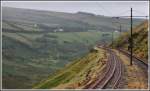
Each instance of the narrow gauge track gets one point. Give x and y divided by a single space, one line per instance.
137 59
112 74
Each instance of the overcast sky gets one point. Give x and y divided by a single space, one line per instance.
109 8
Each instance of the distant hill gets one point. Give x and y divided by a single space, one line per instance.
50 20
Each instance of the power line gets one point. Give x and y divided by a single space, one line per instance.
140 12
131 32
110 13
123 12
105 10
128 16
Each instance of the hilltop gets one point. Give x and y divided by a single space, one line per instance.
38 20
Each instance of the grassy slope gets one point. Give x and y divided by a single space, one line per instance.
75 75
29 58
140 39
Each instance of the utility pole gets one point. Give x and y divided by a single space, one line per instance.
112 39
120 37
131 33
120 29
131 41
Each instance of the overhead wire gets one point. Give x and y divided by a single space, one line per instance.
104 9
121 13
140 12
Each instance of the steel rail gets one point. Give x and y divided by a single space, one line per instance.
113 72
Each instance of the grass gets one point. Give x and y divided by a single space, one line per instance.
75 72
42 54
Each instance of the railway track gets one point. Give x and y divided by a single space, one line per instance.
137 61
134 57
112 74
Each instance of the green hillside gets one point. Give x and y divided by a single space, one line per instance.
28 58
77 74
140 41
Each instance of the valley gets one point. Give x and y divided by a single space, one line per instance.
59 50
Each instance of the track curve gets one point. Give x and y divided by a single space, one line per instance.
112 74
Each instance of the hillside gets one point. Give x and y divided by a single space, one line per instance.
78 74
38 20
28 58
140 41
38 43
